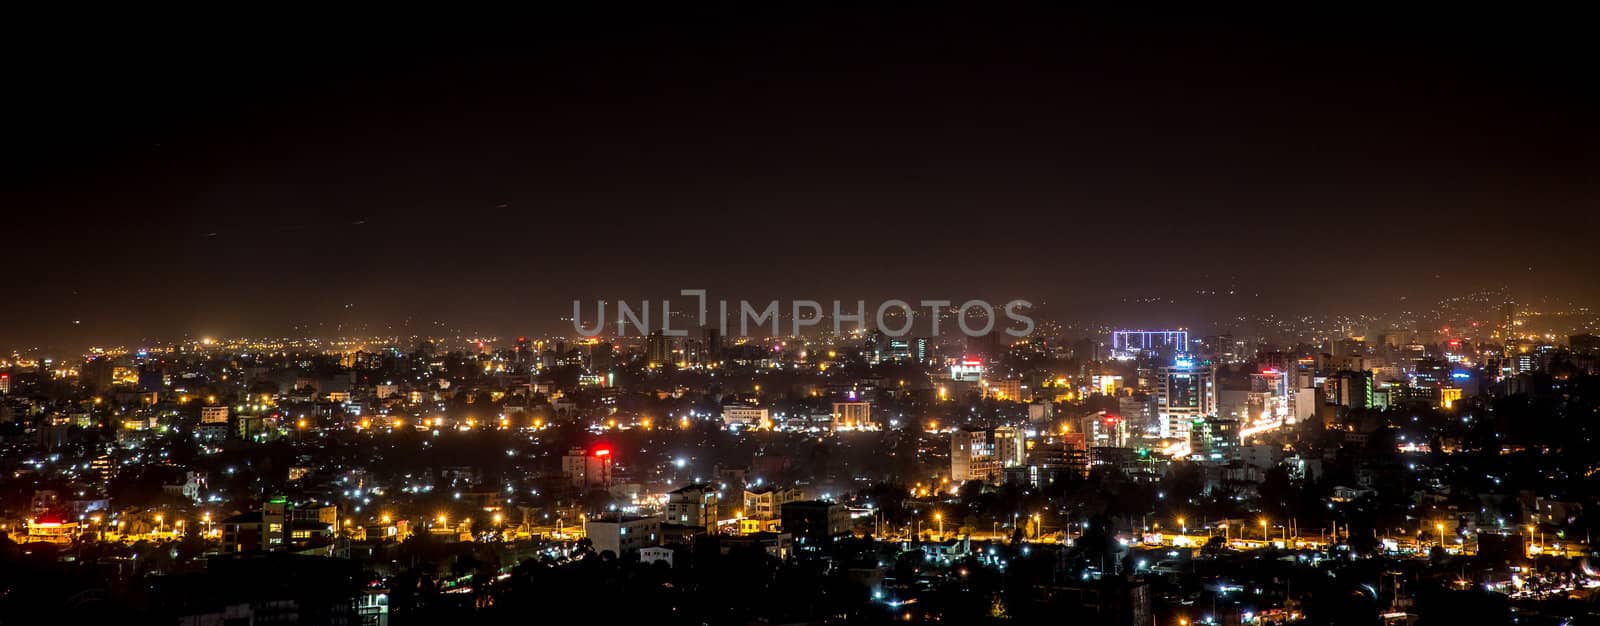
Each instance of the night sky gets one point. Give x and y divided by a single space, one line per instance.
287 179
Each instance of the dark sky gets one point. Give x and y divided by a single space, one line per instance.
169 179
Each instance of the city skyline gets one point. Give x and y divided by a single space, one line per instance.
801 314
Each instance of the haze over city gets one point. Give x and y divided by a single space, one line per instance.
801 314
1177 168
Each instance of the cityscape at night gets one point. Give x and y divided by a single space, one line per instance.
718 317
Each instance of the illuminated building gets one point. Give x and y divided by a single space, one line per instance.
967 370
256 531
586 469
5 383
972 456
385 391
881 348
1041 412
765 503
623 533
745 416
658 349
1448 396
1101 430
692 505
1185 391
214 414
1010 446
656 554
853 416
1006 390
52 529
1106 384
1057 457
1213 439
1132 344
1350 389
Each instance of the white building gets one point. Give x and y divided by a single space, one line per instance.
655 553
1185 391
745 416
693 505
624 533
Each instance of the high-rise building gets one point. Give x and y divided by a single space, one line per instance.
692 505
658 349
712 337
522 351
1041 412
1102 430
972 456
1213 439
1139 413
1185 391
1010 446
1053 458
1350 389
587 469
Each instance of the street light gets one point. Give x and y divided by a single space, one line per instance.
939 517
1183 526
1264 530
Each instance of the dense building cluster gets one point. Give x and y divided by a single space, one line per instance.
1354 475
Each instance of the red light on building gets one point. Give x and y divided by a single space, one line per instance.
602 452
